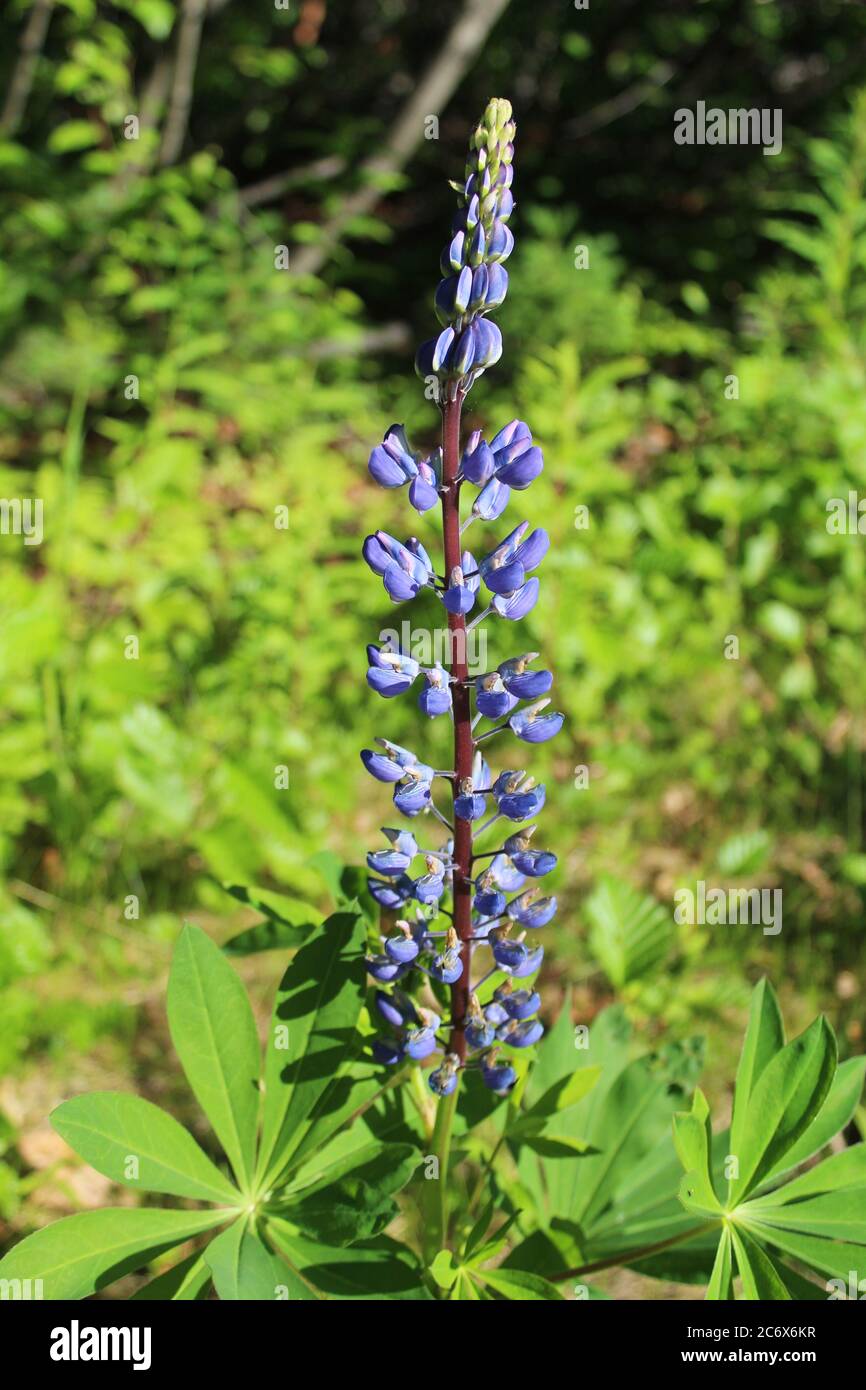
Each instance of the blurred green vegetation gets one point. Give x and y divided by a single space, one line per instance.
168 392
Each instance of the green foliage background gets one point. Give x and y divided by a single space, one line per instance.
260 389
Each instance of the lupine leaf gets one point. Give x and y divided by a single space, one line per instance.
841 1215
519 1285
693 1142
82 1253
720 1287
829 1256
836 1112
359 1206
564 1093
183 1283
846 1169
107 1128
555 1146
765 1036
761 1279
444 1270
214 1035
288 923
783 1102
374 1269
245 1270
315 1012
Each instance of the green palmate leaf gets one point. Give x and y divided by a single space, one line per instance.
761 1279
133 1142
83 1253
836 1112
765 1036
519 1285
312 1032
288 923
562 1095
555 1146
840 1215
829 1256
244 1269
214 1034
382 1169
846 1169
373 1269
631 933
785 1099
360 1205
693 1140
183 1283
720 1288
444 1270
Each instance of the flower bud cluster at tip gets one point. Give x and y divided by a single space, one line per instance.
475 281
413 881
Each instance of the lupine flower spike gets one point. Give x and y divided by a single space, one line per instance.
458 913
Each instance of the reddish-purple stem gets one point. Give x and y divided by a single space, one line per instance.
463 744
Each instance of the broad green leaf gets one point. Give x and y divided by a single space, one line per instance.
783 1102
80 1254
765 1036
840 1215
720 1287
110 1129
311 1033
555 1146
382 1168
214 1035
244 1269
444 1270
375 1269
761 1279
288 923
845 1169
833 1257
631 933
359 1206
836 1112
693 1140
519 1285
183 1283
564 1093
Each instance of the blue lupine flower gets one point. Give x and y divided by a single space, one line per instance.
447 967
390 673
518 1003
391 894
535 863
430 887
387 1052
499 1076
477 463
517 797
384 969
522 1034
393 862
530 912
443 1080
459 597
516 606
488 900
435 698
526 685
469 804
491 500
505 874
480 1031
402 946
491 697
392 462
532 726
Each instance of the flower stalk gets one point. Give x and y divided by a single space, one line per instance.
433 947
